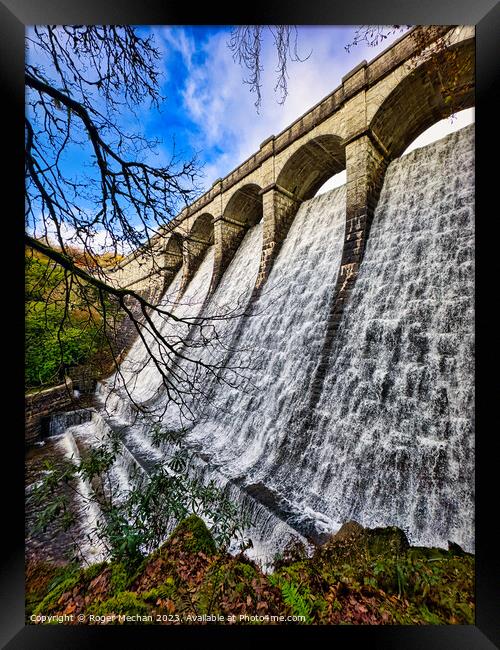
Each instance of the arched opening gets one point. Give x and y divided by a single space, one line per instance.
314 163
442 128
173 252
196 243
430 93
202 230
172 261
244 210
245 206
337 180
195 246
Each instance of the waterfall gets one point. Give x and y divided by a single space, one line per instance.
390 440
138 371
90 548
213 343
243 427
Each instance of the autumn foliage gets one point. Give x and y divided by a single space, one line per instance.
360 576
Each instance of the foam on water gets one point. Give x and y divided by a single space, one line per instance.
390 440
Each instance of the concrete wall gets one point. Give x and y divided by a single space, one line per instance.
41 404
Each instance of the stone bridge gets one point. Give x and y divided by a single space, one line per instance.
377 111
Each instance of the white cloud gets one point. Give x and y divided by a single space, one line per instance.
178 40
100 241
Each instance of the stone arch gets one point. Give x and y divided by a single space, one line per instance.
312 165
202 229
427 95
172 255
195 244
245 206
243 210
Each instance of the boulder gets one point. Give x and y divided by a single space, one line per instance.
352 539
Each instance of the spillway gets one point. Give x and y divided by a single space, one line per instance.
390 438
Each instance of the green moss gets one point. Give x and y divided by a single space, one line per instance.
93 571
65 581
296 571
388 541
126 603
231 580
241 575
195 536
162 592
355 545
39 577
121 578
209 591
422 552
245 571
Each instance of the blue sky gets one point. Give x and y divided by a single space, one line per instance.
209 110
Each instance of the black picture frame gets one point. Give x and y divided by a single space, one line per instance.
14 16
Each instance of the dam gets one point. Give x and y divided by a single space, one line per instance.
345 389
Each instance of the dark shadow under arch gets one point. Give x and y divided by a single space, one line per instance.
432 92
245 206
202 230
312 165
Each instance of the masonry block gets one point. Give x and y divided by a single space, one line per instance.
279 210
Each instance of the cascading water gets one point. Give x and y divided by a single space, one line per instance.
269 533
223 314
91 548
390 439
242 428
138 371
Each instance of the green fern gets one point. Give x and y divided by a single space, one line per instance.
298 603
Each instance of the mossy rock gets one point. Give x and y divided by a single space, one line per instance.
222 576
164 591
121 578
428 553
193 536
387 541
39 577
63 583
232 582
93 571
353 542
455 549
125 603
297 571
347 532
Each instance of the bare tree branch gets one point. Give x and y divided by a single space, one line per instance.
83 79
245 44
